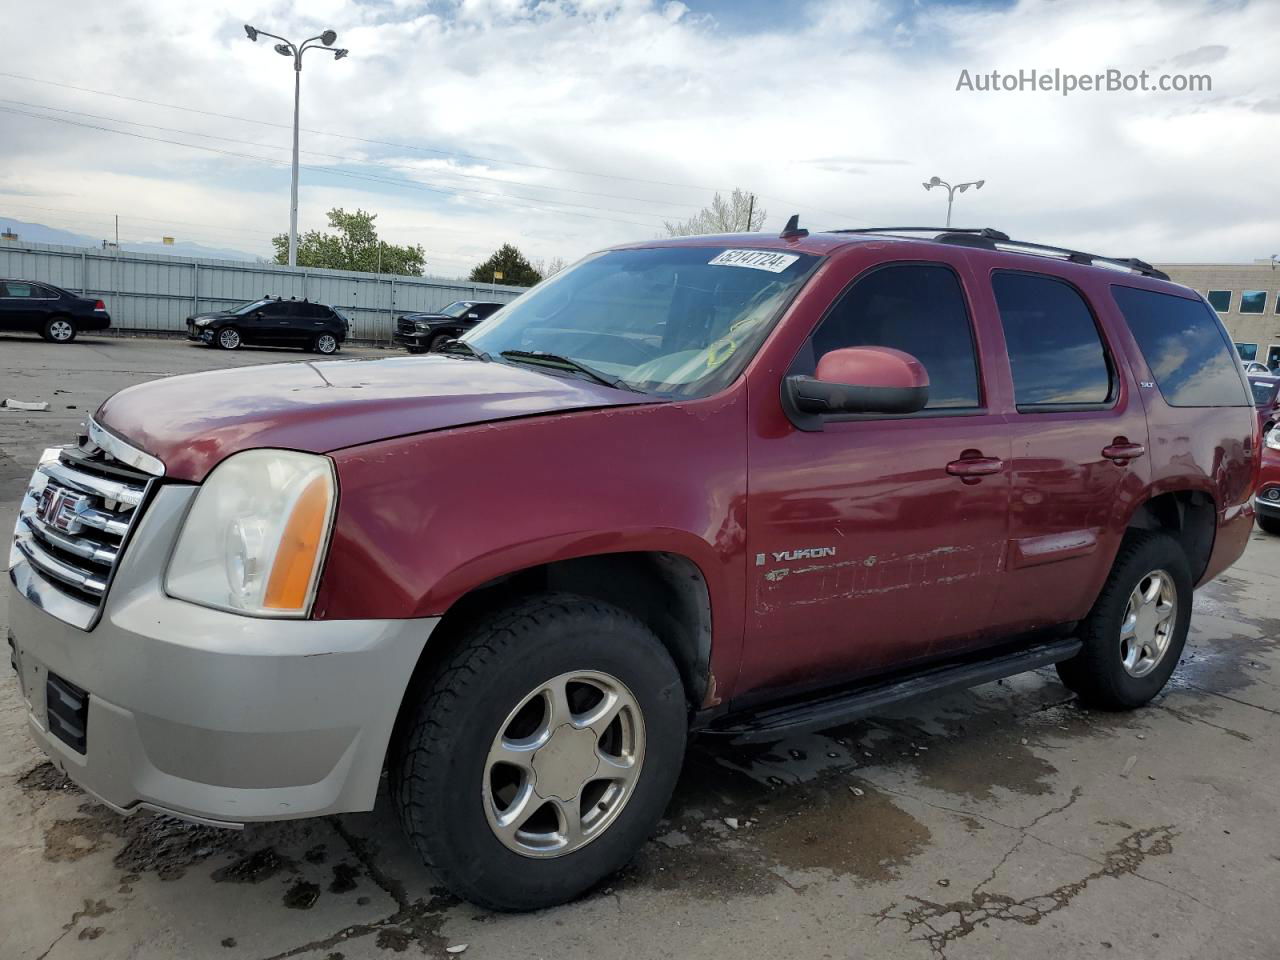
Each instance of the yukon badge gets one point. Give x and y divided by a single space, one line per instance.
806 553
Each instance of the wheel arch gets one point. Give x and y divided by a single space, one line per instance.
1189 516
668 592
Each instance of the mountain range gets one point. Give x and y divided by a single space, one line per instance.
39 233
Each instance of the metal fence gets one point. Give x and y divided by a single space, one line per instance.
152 293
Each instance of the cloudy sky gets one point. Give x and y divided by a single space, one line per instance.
568 125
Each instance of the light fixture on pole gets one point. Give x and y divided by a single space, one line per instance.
951 191
295 50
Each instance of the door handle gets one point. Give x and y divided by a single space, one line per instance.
1122 452
971 469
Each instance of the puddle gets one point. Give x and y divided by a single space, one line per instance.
256 867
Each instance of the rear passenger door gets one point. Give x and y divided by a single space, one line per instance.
1079 436
878 540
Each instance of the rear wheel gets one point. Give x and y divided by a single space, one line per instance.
228 338
542 754
1136 630
59 330
325 343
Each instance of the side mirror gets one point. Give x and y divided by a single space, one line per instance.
856 380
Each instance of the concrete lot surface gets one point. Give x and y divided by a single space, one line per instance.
1005 821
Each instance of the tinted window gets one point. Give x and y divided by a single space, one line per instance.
1262 391
275 310
915 308
1220 300
1185 346
1247 351
1054 348
1253 301
15 289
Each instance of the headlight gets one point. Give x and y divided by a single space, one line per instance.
204 321
422 327
256 535
1273 438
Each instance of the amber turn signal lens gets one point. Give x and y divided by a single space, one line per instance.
299 550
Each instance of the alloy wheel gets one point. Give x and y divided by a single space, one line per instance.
61 331
326 343
1147 627
563 764
229 339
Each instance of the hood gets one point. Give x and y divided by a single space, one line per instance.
213 315
191 422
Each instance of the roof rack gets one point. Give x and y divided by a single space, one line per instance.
989 239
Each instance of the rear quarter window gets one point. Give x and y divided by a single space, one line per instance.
1186 348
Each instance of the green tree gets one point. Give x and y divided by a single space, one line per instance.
516 270
741 213
354 246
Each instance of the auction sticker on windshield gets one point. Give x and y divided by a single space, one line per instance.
755 259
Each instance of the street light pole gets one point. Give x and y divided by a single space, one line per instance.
288 49
951 191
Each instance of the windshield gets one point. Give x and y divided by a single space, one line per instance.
674 320
1262 391
246 308
456 309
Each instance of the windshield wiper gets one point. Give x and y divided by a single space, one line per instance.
464 349
568 363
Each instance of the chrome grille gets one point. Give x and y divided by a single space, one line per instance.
405 326
73 522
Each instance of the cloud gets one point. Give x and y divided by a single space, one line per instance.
1200 56
837 109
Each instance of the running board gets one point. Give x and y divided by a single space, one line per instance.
773 723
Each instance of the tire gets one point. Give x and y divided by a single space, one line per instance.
1152 562
438 341
59 329
1269 524
448 789
228 338
325 343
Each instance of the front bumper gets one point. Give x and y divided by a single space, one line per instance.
412 339
200 334
208 714
1267 502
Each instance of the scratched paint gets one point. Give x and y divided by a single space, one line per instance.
877 575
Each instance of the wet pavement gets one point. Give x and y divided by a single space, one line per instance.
1004 821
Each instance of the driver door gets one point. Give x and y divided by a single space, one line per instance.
879 540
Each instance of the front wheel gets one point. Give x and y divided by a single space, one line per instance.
59 330
1137 628
325 343
543 754
228 338
439 340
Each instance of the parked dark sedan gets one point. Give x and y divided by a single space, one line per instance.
1266 397
420 332
272 322
56 314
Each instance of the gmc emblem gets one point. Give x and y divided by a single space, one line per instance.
59 508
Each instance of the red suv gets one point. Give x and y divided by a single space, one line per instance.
738 485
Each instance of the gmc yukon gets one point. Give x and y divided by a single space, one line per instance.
734 485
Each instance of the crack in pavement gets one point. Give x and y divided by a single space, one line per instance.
413 921
1189 718
91 908
945 923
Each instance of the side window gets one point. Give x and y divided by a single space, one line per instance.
15 289
917 308
1185 347
276 310
1054 347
